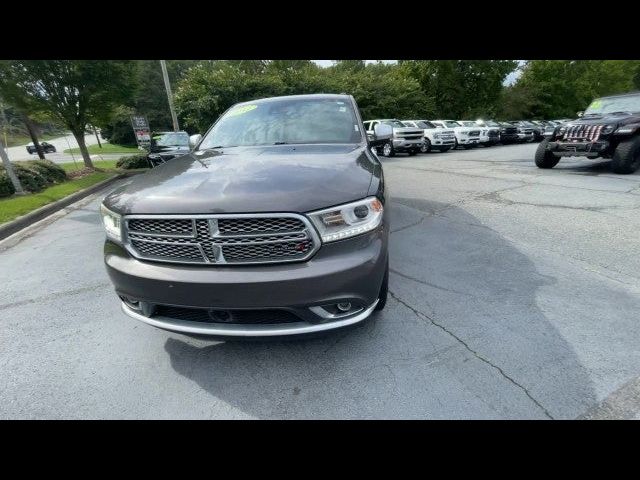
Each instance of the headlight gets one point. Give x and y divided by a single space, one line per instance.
112 223
562 130
348 220
607 129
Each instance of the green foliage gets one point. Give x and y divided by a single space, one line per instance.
460 89
33 175
559 88
6 187
133 162
208 89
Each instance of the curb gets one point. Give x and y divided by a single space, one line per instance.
30 218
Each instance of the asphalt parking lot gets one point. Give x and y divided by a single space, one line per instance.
515 294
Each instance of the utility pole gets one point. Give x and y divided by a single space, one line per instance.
167 85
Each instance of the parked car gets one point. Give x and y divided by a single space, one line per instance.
405 139
609 128
46 148
488 136
525 132
508 133
466 137
494 130
276 223
434 138
166 146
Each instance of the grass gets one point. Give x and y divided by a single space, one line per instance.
107 148
109 165
16 206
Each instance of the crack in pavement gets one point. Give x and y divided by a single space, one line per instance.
426 317
433 285
44 298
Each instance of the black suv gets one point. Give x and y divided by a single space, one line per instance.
167 145
46 148
609 128
508 133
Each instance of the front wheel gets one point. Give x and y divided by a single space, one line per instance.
426 146
445 149
387 150
544 158
384 289
626 158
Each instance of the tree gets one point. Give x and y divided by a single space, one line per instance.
77 92
559 88
461 88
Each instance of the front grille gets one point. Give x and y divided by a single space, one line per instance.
412 136
222 239
474 133
583 133
264 316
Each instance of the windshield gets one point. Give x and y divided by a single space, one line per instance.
171 139
394 123
425 124
285 121
469 124
628 103
451 124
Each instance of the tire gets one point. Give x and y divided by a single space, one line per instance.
384 290
467 147
455 145
626 158
445 149
426 146
387 150
544 158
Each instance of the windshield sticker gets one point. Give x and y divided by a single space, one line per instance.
241 110
596 104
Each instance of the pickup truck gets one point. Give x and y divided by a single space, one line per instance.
404 139
434 137
466 137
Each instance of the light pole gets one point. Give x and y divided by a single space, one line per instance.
167 85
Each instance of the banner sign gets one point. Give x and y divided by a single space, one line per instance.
141 131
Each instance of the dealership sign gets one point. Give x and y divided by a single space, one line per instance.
141 130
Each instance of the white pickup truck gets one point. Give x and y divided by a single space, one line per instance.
405 139
466 137
434 138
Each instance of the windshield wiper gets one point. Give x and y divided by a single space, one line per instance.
280 143
622 112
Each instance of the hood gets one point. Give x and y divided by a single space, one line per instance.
281 178
173 149
621 119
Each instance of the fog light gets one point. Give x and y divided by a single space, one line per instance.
344 307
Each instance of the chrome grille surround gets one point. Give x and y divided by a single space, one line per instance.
223 239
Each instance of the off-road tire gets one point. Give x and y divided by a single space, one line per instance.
626 158
544 158
384 289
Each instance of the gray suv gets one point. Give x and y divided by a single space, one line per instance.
276 223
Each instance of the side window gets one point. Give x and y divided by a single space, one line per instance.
367 126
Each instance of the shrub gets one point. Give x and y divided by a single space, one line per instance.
52 172
6 187
34 176
133 161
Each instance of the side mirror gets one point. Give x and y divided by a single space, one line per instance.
381 133
580 114
194 140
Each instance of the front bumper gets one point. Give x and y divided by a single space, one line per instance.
468 140
578 149
402 145
350 270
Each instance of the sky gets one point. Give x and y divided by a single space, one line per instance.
511 78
